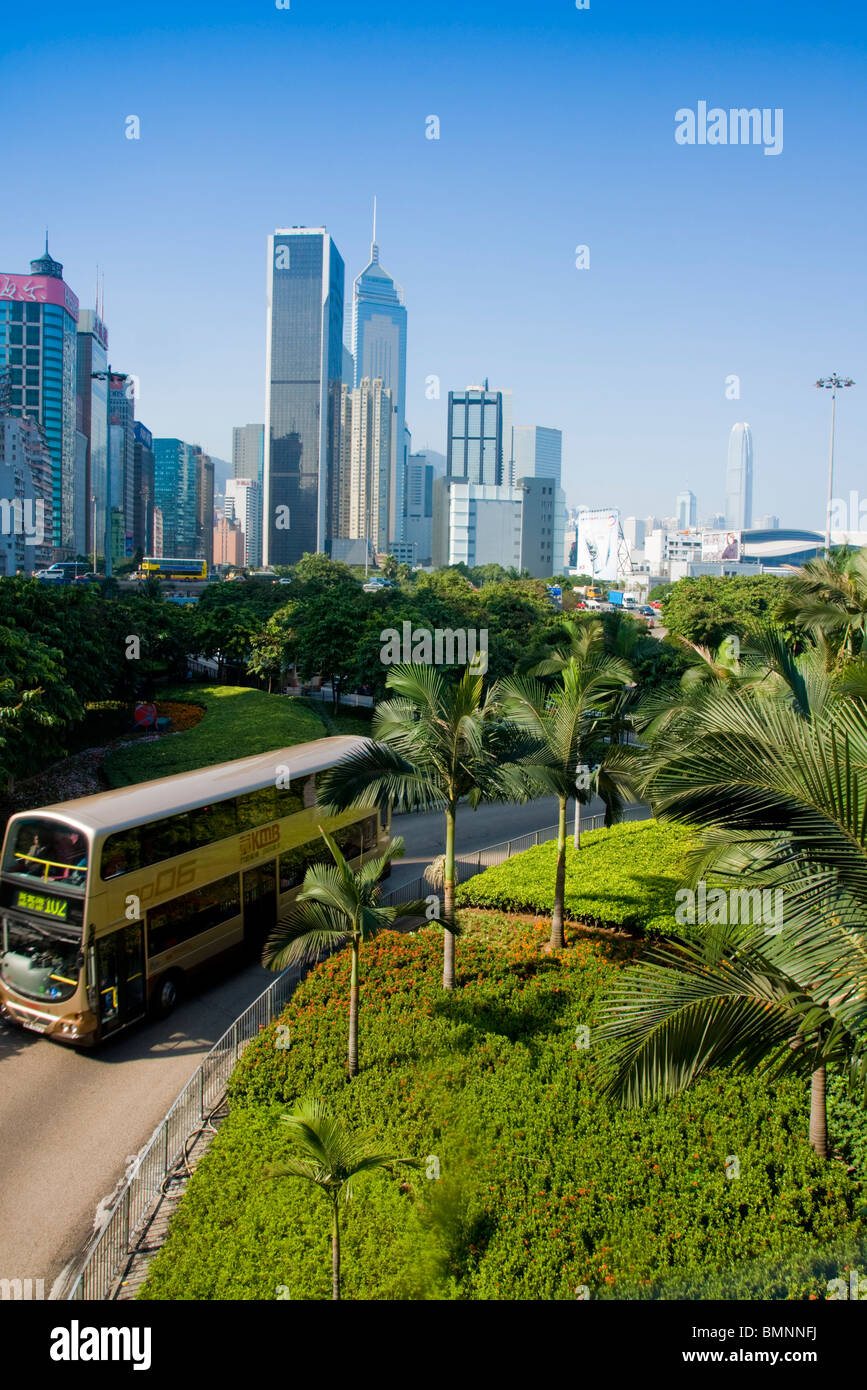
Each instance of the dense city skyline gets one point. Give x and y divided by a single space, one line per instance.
704 264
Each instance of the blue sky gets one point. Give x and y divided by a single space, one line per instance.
556 130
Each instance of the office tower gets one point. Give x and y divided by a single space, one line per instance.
304 365
739 479
38 316
477 523
379 352
768 522
143 477
543 527
26 477
634 532
158 536
204 506
538 452
686 509
92 343
366 463
475 436
244 505
176 494
510 467
229 544
348 373
421 471
248 452
121 417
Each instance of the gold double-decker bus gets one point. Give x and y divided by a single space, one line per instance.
108 902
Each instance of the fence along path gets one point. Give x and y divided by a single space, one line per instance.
111 1247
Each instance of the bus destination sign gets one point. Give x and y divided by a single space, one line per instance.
39 902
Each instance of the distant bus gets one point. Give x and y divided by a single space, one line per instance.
108 902
163 567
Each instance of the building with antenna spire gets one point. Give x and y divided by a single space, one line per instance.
38 322
379 353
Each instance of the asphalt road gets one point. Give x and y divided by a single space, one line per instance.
72 1121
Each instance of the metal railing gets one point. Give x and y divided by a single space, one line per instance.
111 1246
109 1249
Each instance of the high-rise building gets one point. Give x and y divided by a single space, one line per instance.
739 479
476 523
633 532
244 505
38 317
421 471
304 367
204 506
248 452
769 522
475 436
92 339
121 457
143 476
176 494
366 463
379 351
538 452
228 543
543 527
686 509
25 495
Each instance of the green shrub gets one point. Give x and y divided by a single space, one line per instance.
623 877
544 1187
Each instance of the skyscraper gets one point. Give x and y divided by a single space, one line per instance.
38 317
475 436
379 350
121 459
366 461
93 395
248 452
304 365
244 505
176 495
143 475
739 479
686 510
538 452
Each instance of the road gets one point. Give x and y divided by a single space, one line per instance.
71 1121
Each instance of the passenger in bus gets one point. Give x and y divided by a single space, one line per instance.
71 852
30 863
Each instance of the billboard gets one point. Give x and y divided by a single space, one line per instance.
721 545
39 289
598 537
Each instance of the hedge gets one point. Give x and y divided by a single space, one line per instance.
623 877
544 1189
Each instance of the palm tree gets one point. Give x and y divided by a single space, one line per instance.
828 599
773 781
572 724
337 905
436 743
331 1158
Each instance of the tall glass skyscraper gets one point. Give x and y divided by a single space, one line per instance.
739 479
475 435
379 351
303 377
177 496
38 317
93 395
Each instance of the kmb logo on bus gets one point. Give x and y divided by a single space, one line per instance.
256 840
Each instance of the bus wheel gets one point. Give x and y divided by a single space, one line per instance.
166 994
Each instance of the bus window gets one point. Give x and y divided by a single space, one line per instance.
193 913
49 851
121 854
37 962
163 839
257 808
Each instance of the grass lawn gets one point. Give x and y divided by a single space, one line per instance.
540 1187
238 723
623 877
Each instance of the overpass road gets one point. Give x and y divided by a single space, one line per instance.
71 1121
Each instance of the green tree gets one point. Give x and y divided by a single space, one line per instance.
707 609
334 906
330 1157
828 600
437 742
572 723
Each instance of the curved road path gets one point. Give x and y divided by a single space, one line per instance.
71 1121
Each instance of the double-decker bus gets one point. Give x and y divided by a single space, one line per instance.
162 567
108 902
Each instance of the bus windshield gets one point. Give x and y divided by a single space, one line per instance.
48 850
38 962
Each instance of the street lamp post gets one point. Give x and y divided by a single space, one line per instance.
831 383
